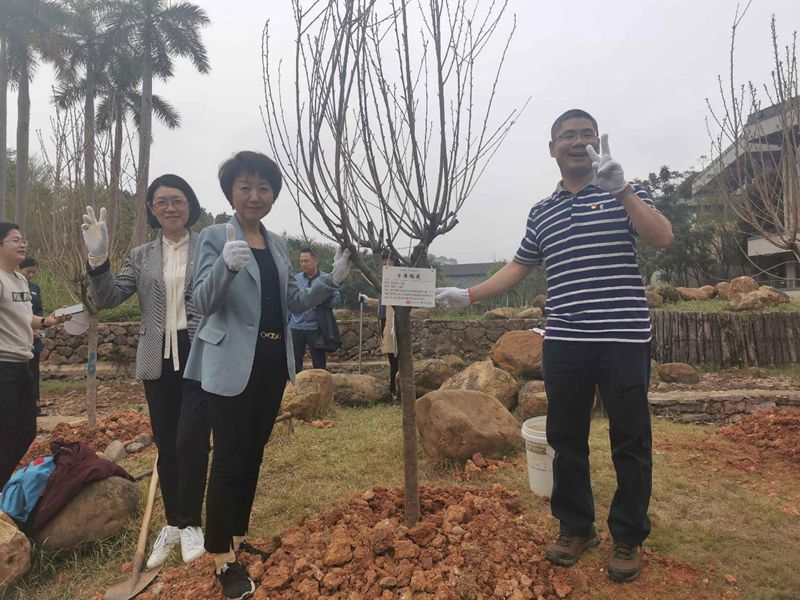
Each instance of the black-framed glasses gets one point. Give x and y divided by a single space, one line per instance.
571 135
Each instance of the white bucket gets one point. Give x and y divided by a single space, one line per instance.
539 456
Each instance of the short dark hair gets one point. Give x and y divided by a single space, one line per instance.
5 228
309 250
173 181
572 113
28 261
247 162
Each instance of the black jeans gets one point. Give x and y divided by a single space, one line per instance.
179 418
17 416
34 365
621 371
302 338
242 425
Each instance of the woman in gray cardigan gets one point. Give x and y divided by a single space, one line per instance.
160 272
243 350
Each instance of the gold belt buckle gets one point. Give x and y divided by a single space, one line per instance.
270 335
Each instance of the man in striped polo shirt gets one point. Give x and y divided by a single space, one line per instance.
597 334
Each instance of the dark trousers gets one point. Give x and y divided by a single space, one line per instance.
242 425
17 416
179 418
621 371
34 365
302 338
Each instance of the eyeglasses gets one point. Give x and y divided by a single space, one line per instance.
175 202
16 241
570 135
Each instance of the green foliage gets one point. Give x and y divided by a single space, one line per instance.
525 291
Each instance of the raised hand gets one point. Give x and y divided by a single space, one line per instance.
341 265
235 253
452 298
610 176
95 232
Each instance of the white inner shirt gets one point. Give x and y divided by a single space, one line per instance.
174 257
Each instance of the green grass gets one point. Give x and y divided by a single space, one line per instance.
715 305
703 511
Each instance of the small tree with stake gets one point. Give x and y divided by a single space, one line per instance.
388 135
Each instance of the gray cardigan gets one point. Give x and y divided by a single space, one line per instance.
222 353
143 274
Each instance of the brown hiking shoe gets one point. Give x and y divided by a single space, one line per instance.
625 562
566 550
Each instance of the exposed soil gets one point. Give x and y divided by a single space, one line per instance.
469 544
772 432
113 395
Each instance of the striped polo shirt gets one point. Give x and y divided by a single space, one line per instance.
587 243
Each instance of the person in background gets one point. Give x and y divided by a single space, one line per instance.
160 273
29 267
597 335
306 326
17 327
243 353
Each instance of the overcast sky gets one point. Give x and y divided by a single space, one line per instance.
643 68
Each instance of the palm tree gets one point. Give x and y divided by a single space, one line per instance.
27 35
157 31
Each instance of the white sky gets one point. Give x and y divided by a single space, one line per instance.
643 68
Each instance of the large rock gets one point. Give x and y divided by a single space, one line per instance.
458 423
311 396
519 353
100 510
747 301
742 285
504 312
539 301
692 293
723 289
455 362
768 295
710 290
678 373
534 312
485 377
667 292
420 314
353 389
654 300
15 552
430 374
532 400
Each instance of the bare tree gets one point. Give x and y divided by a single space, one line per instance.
756 145
386 133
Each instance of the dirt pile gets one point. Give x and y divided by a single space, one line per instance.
122 425
774 432
469 543
111 396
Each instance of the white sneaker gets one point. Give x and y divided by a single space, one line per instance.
168 537
192 542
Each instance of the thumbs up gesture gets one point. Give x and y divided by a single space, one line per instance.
235 253
610 176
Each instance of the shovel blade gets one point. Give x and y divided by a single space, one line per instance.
123 590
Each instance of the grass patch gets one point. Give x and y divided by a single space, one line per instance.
60 386
703 511
716 306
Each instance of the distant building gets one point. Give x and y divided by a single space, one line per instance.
467 275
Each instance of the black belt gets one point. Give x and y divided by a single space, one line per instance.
270 335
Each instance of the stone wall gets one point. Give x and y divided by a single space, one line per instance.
717 406
116 343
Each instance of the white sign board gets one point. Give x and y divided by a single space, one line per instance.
404 286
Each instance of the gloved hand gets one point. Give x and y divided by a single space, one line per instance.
363 298
235 253
609 172
341 265
95 233
452 298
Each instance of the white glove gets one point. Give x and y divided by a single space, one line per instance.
235 253
452 298
608 171
363 298
95 234
341 265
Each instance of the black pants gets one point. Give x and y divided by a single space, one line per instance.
17 416
34 365
179 418
242 425
621 371
302 338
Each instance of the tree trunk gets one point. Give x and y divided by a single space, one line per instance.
408 400
23 131
91 372
116 167
3 127
88 135
145 139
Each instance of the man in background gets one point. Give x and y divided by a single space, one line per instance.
29 267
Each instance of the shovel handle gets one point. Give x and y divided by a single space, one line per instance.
138 558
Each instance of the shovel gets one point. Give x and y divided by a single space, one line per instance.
131 586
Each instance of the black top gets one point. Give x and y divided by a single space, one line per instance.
271 313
